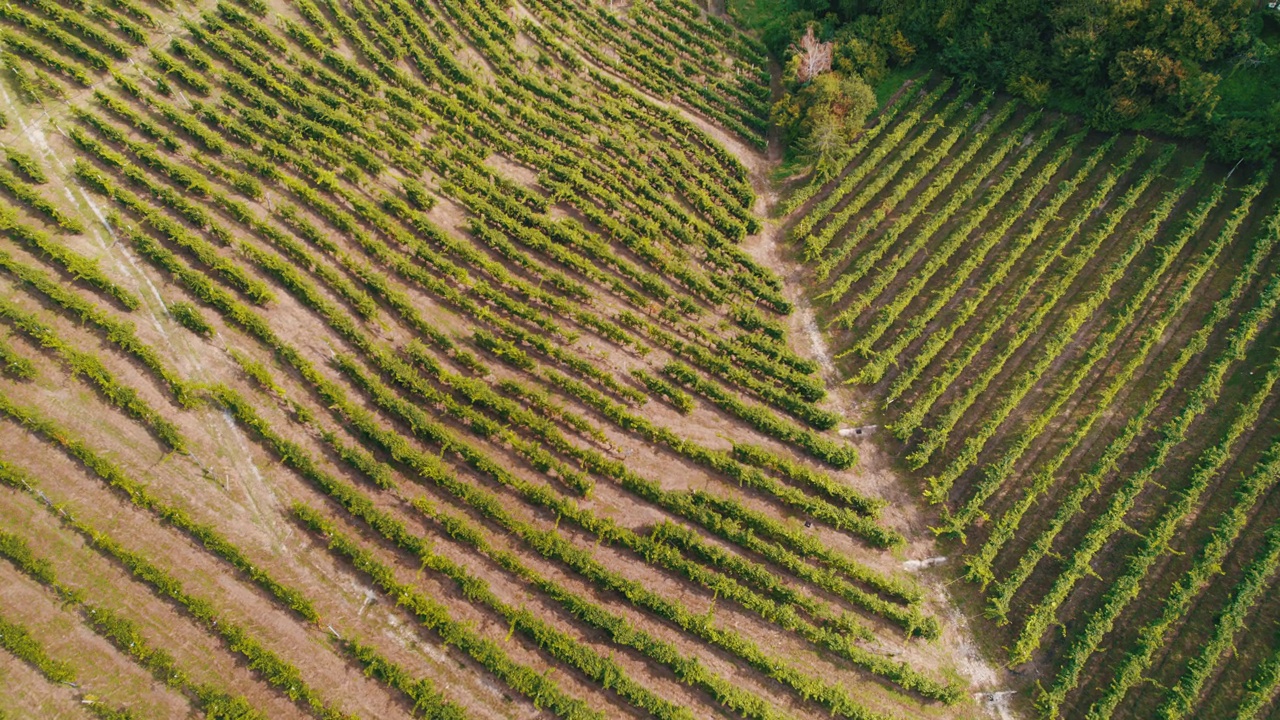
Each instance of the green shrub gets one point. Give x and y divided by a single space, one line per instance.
190 317
26 165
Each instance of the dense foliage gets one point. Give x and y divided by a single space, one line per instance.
1188 68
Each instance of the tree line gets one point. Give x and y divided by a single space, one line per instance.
1196 69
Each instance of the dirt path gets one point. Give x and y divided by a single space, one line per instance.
876 473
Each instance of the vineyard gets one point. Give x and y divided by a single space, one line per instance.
434 358
1074 338
411 358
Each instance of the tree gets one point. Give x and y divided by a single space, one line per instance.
825 142
822 116
814 57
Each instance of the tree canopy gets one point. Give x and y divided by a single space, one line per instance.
1189 68
824 109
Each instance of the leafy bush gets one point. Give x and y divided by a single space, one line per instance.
190 317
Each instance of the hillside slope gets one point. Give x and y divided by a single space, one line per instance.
385 358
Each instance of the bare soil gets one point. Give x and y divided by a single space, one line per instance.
876 473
